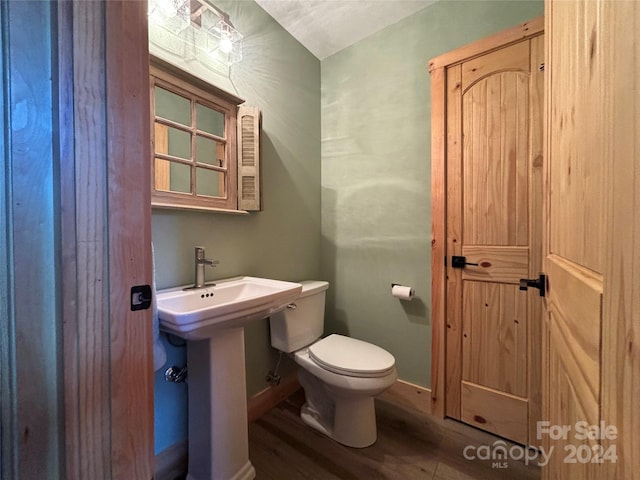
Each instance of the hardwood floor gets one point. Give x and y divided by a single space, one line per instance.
409 446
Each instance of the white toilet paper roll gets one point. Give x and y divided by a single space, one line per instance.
402 292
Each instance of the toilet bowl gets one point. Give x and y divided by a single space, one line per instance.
340 375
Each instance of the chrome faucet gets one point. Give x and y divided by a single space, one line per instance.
201 261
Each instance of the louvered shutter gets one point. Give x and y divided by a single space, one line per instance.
249 119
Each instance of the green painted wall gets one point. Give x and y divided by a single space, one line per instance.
376 221
281 77
362 222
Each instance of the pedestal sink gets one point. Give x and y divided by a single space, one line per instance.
212 320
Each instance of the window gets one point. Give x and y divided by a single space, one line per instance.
194 163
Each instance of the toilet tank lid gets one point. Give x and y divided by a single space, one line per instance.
310 287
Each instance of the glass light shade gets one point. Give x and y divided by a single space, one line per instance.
172 15
224 43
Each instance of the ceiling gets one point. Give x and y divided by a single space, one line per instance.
325 27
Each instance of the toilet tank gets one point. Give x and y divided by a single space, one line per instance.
301 323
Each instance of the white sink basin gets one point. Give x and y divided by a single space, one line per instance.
196 314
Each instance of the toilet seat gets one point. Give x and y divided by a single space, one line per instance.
348 356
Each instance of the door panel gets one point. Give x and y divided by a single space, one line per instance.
495 159
575 306
494 176
576 124
495 411
496 264
494 338
563 394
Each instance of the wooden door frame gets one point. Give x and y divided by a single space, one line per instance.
105 227
437 68
31 417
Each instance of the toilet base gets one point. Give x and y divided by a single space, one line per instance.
354 421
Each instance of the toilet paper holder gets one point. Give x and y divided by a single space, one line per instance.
403 292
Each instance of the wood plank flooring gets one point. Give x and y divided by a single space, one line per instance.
409 446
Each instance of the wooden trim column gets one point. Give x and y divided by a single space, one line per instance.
129 220
621 312
106 238
438 239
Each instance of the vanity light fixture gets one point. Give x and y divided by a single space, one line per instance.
212 33
225 42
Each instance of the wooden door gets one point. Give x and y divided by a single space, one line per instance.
592 323
494 205
575 245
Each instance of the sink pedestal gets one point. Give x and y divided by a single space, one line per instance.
212 320
218 438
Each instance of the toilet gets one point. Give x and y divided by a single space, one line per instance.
340 375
